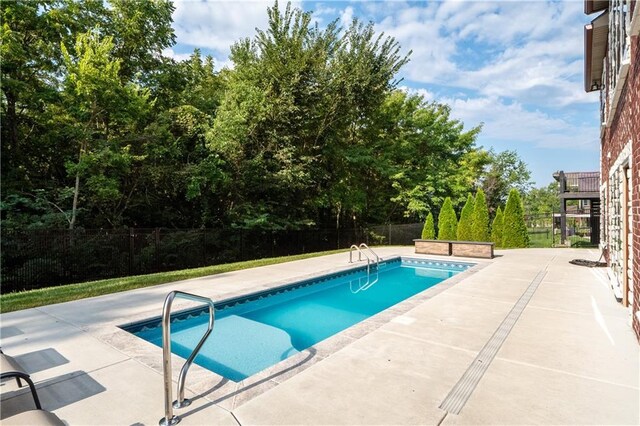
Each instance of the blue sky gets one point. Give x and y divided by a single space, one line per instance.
515 66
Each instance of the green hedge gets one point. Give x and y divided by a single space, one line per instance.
429 231
496 227
466 221
480 227
514 232
447 221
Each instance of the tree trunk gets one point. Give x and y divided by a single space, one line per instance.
76 191
12 120
74 208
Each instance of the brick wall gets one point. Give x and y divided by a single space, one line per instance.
625 127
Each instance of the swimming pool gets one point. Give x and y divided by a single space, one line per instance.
259 330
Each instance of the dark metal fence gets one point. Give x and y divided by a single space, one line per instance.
36 259
397 235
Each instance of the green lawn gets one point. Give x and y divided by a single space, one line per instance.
541 238
64 293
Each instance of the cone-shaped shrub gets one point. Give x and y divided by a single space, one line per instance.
514 230
466 220
447 221
480 226
496 228
429 230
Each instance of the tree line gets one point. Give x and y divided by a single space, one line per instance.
308 129
507 230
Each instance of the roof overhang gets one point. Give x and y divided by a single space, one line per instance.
591 6
595 49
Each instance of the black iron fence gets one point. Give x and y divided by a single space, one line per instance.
37 259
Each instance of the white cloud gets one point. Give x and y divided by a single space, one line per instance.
177 56
427 95
511 122
528 51
218 63
346 17
217 25
416 29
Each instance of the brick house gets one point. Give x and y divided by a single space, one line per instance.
612 67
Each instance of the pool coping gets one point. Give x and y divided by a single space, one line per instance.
229 394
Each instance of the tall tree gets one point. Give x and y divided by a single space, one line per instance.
514 232
447 221
428 231
480 226
540 203
425 155
98 110
141 30
465 226
506 170
497 227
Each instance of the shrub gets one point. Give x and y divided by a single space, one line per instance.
429 231
447 221
496 228
514 230
480 226
466 220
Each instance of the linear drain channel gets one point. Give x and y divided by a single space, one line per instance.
461 392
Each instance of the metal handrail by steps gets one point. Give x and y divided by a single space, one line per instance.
360 254
363 245
169 419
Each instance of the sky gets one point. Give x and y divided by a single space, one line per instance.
517 67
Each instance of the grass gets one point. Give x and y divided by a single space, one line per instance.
541 238
65 293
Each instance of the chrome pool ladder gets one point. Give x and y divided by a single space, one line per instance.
361 253
169 418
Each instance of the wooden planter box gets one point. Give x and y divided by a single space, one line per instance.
455 248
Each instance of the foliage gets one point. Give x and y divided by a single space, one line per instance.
480 223
97 110
496 227
505 171
464 232
428 231
447 221
540 203
514 232
307 129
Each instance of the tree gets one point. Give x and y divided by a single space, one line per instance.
447 221
307 129
465 225
540 203
514 232
428 231
480 226
506 170
98 108
141 30
496 227
426 156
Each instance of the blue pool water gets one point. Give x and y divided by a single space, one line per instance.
257 331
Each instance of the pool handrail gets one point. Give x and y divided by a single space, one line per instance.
363 245
169 418
360 253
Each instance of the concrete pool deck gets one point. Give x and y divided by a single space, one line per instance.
570 358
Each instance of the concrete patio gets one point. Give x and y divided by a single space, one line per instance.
571 357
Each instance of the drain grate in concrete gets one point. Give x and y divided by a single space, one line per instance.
458 396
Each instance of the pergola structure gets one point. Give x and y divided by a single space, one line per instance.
581 186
